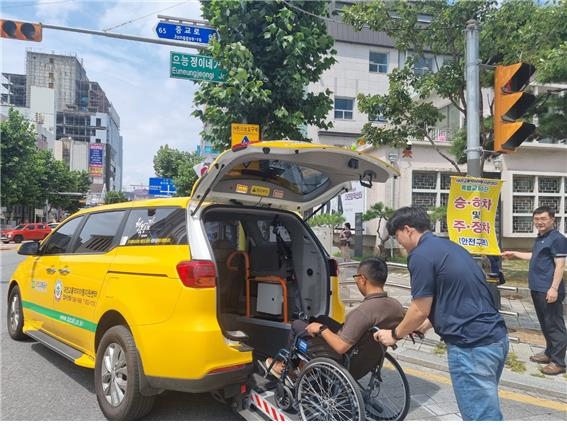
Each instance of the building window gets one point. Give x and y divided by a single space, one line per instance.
531 192
378 62
344 108
430 190
423 65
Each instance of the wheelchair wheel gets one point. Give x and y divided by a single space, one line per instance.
325 391
385 391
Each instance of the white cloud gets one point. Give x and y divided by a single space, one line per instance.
154 109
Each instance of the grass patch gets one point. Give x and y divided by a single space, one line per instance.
440 348
514 364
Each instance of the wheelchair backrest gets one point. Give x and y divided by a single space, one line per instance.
364 356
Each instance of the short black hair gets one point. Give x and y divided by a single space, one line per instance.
544 209
415 217
375 270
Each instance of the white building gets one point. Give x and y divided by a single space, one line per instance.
533 176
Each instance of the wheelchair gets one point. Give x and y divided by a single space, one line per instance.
366 383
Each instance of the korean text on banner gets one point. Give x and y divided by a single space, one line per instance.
471 214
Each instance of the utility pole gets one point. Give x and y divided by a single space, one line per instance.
473 85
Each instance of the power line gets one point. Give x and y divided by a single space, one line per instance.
145 16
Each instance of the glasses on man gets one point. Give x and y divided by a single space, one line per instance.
354 276
541 219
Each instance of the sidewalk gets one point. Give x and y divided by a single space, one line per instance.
524 333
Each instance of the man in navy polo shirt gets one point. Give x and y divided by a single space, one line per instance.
545 279
450 292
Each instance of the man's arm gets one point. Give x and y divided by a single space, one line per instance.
510 255
335 342
415 317
553 290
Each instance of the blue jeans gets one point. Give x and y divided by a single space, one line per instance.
475 373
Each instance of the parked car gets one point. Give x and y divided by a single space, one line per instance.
182 293
28 231
53 225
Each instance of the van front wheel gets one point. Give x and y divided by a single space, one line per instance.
117 377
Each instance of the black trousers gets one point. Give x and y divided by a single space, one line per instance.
550 317
317 347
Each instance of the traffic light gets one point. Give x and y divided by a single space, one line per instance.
510 103
20 30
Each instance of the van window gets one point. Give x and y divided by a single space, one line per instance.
155 226
99 232
297 179
58 241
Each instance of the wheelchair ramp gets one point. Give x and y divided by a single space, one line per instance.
261 404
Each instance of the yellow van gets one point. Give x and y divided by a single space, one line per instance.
182 293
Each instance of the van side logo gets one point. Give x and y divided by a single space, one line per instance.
58 290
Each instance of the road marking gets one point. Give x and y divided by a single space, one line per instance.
505 394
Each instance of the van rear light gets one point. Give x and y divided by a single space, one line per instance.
333 267
197 273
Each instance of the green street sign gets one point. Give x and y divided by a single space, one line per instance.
195 67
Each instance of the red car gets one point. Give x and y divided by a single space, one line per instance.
28 231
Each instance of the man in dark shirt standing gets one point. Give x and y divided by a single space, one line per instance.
545 279
450 293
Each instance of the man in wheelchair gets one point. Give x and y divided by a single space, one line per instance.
328 338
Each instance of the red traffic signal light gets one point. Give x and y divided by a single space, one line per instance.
510 103
20 30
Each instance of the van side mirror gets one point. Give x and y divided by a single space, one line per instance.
29 248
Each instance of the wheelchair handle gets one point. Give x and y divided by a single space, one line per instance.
375 329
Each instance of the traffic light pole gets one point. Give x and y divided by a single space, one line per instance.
124 36
473 89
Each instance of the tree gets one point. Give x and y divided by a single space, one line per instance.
17 150
178 166
382 213
114 197
326 219
510 31
272 50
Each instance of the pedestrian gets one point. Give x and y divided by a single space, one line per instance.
332 339
450 293
345 239
545 280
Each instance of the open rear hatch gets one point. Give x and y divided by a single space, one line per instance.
294 176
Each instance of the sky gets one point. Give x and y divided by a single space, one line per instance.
154 109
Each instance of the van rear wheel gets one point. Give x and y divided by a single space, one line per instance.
117 377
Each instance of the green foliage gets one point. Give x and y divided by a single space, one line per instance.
31 176
328 219
510 32
114 197
378 210
177 165
17 150
271 52
514 364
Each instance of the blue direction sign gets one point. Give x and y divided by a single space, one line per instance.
161 187
182 32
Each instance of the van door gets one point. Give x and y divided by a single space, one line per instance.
294 176
41 313
81 274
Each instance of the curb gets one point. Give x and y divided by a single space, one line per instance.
539 386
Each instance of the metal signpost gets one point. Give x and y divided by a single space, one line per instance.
195 67
184 32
